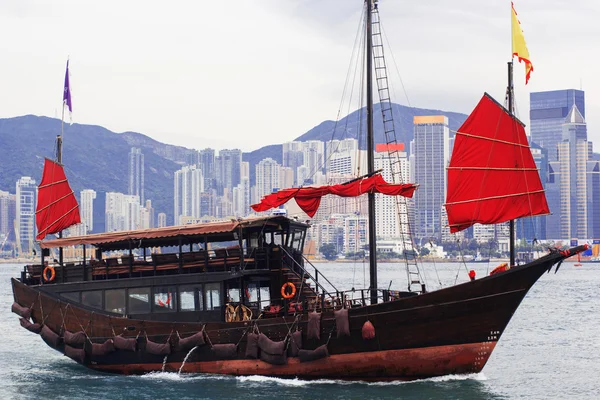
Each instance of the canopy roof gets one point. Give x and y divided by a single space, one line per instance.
169 236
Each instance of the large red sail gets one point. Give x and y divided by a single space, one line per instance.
309 198
57 207
492 176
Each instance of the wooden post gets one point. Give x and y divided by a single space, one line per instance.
130 260
180 266
84 265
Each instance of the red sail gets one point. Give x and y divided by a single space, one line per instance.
309 198
492 177
57 207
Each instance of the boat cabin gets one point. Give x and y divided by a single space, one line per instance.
222 271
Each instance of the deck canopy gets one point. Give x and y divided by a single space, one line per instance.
170 235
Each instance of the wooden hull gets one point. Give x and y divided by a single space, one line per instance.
449 331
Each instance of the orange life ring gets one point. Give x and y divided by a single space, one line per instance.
284 293
52 274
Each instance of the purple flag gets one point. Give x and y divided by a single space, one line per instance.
67 94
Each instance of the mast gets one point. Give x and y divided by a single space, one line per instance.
511 223
370 156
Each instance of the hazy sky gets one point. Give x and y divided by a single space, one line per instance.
246 73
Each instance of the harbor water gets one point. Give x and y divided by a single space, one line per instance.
550 350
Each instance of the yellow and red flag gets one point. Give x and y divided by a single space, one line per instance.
519 47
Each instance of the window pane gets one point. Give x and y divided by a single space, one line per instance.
233 295
92 298
265 297
73 296
115 301
187 297
165 298
213 296
139 301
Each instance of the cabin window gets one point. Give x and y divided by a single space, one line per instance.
92 298
265 293
73 296
252 293
139 301
233 295
297 240
213 296
114 301
165 299
191 298
278 238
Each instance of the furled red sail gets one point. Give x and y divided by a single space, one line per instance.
57 207
492 176
309 198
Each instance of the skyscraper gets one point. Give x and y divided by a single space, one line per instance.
8 207
206 161
431 142
386 211
267 177
86 208
548 111
162 220
26 198
188 185
228 169
122 212
136 173
571 189
293 156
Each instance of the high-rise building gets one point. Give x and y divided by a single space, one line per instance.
136 173
431 142
386 211
26 199
241 198
571 187
228 169
547 112
188 185
535 227
162 220
267 177
206 162
122 212
8 209
293 156
314 158
86 209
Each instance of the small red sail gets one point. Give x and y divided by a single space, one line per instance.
492 177
309 198
57 207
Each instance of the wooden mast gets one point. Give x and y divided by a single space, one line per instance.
370 155
511 223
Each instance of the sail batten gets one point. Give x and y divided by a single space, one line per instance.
57 207
309 198
492 176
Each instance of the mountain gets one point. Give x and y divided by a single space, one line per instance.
96 158
403 124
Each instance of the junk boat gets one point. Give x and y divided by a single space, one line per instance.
239 297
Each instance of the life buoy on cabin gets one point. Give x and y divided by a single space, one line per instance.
49 269
284 290
500 268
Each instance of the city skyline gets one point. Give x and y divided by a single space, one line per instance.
198 199
318 42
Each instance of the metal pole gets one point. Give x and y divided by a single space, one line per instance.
370 158
511 223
